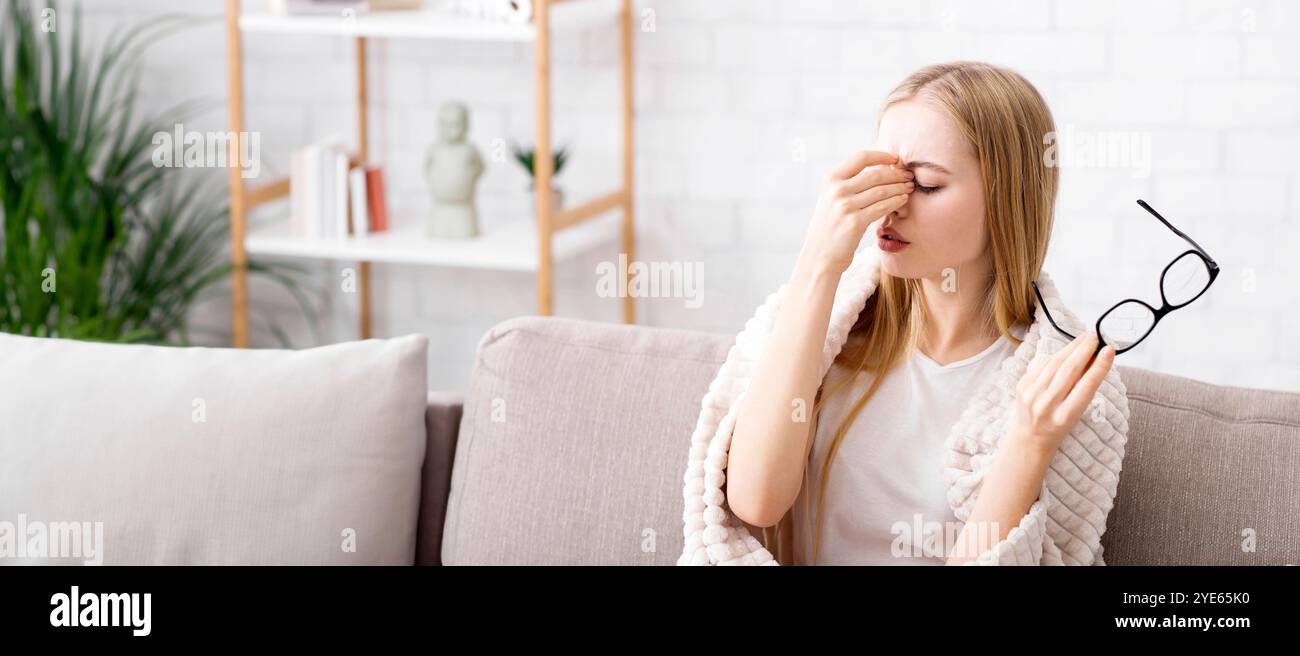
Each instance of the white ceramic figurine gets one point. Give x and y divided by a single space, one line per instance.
453 167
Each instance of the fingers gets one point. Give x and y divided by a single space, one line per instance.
874 176
879 209
860 160
1041 374
1032 374
877 194
1081 396
1076 359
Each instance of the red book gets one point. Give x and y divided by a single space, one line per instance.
375 199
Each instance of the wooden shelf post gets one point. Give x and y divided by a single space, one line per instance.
625 23
542 162
363 154
238 206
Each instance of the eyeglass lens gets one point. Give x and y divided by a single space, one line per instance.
1185 279
1129 322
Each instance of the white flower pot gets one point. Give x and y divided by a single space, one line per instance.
557 200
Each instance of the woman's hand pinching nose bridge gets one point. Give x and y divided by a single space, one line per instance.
865 187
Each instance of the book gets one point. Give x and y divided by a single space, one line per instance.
331 199
308 188
375 199
298 211
316 7
320 180
360 213
339 187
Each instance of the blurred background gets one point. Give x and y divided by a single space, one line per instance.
742 105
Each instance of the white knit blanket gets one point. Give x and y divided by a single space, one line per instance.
1063 526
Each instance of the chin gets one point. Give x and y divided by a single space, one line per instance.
896 265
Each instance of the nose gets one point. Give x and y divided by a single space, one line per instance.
901 212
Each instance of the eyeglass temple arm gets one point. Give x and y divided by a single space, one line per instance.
1047 312
1178 232
1101 341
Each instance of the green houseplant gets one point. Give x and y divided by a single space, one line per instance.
98 242
559 157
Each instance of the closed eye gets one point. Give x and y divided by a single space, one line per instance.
927 190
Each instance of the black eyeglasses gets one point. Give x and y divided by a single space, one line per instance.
1129 321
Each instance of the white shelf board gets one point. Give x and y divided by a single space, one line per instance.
512 247
426 24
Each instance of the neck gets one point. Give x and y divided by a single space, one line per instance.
956 324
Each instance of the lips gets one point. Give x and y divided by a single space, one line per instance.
890 234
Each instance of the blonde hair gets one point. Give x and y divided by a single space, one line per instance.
1005 120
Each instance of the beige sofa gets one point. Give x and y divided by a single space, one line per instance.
573 440
568 447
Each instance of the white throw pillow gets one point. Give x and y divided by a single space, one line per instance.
209 455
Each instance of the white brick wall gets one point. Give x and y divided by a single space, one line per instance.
742 104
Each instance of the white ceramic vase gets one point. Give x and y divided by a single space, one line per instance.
557 199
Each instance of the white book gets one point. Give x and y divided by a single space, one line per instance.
360 215
324 191
311 192
340 195
315 7
297 184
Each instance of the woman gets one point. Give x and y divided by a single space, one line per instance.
959 203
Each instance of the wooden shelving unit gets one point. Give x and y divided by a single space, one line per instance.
533 244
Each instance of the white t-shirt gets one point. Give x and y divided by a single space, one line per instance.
885 497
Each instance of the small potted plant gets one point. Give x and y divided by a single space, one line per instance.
559 157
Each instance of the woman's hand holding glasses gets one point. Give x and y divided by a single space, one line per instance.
1054 393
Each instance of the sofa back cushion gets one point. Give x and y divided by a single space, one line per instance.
214 456
575 435
1211 475
573 443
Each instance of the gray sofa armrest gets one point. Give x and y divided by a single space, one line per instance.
442 425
